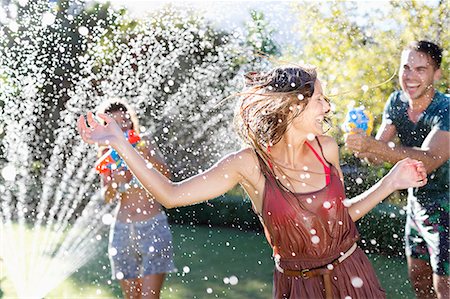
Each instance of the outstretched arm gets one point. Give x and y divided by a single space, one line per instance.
433 152
153 155
210 184
406 173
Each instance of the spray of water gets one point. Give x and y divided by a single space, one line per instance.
56 64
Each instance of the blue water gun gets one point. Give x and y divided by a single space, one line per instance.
358 118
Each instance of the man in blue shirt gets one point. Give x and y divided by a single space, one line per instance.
419 116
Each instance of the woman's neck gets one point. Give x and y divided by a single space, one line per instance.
289 150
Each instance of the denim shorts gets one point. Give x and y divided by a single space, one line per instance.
141 248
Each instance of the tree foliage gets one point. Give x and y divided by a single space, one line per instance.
357 50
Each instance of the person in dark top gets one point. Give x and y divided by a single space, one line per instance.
291 173
418 116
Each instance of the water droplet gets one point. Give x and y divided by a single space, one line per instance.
347 202
327 205
13 26
82 30
119 275
9 173
48 19
357 282
186 269
315 239
112 251
107 219
310 136
233 280
23 2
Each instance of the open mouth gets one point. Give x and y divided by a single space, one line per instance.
411 87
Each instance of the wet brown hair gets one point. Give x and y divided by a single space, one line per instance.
270 102
267 106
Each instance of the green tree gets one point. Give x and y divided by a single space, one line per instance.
259 35
356 51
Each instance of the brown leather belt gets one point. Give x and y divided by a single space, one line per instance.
325 271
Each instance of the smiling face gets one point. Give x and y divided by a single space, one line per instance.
311 119
417 74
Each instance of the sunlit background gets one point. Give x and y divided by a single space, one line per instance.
178 63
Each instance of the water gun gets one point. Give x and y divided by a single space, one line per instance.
111 159
359 118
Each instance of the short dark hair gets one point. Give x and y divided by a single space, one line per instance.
114 107
118 104
429 48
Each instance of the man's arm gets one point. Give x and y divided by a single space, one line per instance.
386 133
433 153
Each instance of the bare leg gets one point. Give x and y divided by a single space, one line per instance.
131 288
420 275
151 285
442 286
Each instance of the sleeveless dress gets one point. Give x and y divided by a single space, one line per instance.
309 230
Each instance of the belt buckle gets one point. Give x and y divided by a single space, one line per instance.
303 273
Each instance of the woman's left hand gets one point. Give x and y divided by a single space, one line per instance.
408 173
97 133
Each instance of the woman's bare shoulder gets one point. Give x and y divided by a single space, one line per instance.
244 156
245 160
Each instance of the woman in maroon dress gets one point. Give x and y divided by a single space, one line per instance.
291 173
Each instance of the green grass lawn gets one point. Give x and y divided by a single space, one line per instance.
204 258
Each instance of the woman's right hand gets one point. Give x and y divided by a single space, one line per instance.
102 135
408 173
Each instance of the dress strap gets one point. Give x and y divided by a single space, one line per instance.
326 168
321 150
